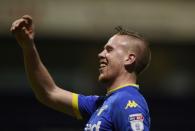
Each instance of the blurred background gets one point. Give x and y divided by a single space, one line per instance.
70 34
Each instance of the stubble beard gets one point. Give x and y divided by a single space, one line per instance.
102 79
105 76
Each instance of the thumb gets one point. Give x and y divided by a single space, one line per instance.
24 29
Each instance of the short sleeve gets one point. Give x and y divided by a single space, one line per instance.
130 114
86 106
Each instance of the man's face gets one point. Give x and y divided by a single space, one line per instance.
112 59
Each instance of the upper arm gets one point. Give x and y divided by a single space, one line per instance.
60 100
73 104
87 105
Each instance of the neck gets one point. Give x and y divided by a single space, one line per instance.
121 80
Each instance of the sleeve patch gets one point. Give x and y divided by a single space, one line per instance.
136 122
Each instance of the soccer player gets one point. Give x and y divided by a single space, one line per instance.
123 58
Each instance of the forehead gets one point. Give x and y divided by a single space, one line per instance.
118 41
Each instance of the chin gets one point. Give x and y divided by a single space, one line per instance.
103 79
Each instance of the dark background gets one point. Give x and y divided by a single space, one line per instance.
70 34
168 84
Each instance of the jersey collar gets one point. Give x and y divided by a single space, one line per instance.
122 86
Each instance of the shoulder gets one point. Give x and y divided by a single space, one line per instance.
122 97
128 110
88 100
85 105
129 101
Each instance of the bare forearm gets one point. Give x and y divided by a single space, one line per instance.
39 78
42 83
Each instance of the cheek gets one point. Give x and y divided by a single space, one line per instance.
113 68
116 62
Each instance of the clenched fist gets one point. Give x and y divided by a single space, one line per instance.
23 30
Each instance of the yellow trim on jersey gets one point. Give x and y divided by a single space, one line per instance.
75 105
112 90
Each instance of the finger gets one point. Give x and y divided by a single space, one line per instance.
22 23
14 25
25 21
18 25
24 30
28 18
12 29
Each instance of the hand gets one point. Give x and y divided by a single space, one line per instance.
23 30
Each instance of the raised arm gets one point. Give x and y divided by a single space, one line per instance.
44 87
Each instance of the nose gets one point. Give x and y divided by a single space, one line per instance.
101 54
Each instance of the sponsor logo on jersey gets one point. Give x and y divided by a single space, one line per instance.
93 127
131 104
136 122
104 107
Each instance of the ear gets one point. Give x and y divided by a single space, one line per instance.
130 59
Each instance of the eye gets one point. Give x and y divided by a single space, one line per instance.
109 48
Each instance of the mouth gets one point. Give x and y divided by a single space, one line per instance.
102 65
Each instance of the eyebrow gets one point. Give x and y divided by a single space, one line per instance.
108 46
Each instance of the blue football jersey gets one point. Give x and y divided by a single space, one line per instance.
122 109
